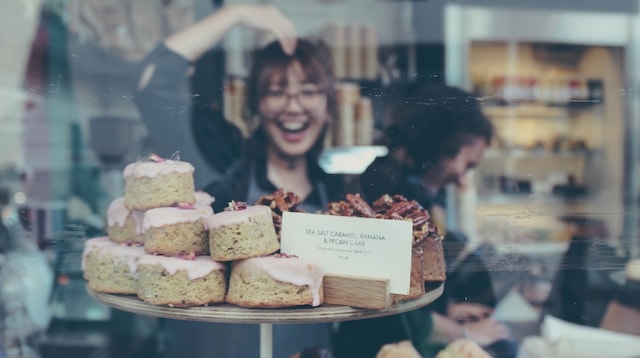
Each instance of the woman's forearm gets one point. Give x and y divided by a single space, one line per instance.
193 41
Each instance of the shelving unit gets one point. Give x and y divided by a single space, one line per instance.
552 87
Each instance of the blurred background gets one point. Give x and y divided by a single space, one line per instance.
556 195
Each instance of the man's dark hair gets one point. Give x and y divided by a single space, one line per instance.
434 122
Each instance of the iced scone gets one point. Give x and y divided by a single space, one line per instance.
110 267
158 182
177 282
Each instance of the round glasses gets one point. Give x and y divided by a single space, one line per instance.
308 98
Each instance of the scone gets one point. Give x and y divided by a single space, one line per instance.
124 225
246 231
109 267
275 281
178 282
176 231
157 183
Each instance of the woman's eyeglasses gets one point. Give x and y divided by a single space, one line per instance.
308 98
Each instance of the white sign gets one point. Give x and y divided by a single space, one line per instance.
375 248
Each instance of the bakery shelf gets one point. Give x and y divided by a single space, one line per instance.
226 313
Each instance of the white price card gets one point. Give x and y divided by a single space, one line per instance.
375 248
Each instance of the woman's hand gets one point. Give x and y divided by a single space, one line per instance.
269 19
193 41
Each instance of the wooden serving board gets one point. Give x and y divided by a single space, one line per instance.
226 313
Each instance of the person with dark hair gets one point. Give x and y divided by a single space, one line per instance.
290 93
436 134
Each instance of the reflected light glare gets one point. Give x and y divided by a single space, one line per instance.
20 197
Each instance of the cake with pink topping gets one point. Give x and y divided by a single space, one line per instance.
177 230
110 267
178 282
124 225
275 281
242 232
158 182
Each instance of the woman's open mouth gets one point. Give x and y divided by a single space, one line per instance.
293 131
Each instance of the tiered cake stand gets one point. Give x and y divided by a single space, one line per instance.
225 313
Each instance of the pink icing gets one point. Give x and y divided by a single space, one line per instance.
200 267
238 217
159 217
152 169
291 269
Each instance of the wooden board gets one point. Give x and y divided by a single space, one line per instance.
362 292
225 313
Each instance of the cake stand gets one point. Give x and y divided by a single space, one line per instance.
226 313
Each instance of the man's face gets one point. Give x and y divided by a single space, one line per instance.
454 170
293 114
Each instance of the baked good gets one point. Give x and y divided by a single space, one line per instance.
110 267
275 281
434 267
632 271
425 233
279 202
416 281
158 182
124 225
242 232
176 230
176 282
427 254
402 349
463 348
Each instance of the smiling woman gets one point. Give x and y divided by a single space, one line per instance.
290 94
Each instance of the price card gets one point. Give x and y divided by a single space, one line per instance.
375 248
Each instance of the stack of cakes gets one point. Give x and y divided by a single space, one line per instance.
167 246
157 245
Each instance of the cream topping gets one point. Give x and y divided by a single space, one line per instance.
128 255
153 169
200 267
294 270
94 245
203 198
117 213
224 218
159 217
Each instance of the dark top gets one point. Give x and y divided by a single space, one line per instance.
467 281
213 145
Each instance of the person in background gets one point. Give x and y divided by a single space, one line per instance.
290 90
435 137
